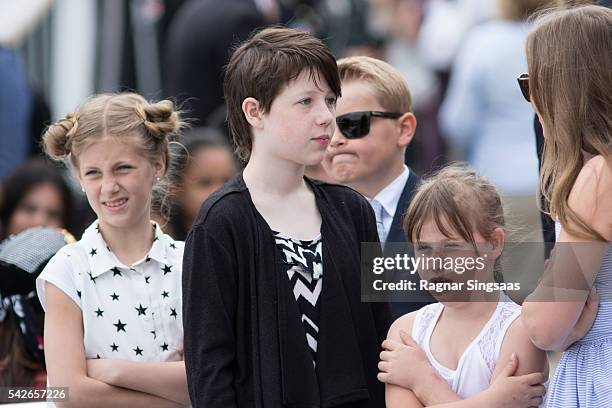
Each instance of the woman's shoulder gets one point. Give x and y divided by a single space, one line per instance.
591 194
596 166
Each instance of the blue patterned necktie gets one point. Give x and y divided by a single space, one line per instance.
380 227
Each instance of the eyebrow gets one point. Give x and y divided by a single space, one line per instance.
116 164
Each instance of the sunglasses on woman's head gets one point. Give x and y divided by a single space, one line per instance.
355 125
523 81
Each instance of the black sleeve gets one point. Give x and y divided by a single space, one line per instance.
209 310
548 225
380 310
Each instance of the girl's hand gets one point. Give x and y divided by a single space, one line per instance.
404 364
523 391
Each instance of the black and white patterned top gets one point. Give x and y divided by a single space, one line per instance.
130 312
304 267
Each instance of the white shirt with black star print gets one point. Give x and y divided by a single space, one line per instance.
130 312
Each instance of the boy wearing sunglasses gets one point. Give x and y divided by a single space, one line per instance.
375 124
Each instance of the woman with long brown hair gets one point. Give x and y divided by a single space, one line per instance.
569 84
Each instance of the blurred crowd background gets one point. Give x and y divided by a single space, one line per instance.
459 57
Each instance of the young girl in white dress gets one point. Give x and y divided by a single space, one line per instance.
113 324
467 345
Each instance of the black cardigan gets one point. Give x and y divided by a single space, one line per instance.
244 341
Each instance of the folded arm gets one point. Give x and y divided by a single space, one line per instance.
67 365
163 379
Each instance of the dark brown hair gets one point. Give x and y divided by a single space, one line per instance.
17 368
261 66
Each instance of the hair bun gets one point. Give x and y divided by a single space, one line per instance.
57 137
160 119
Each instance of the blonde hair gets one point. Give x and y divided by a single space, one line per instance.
520 10
391 88
570 79
125 116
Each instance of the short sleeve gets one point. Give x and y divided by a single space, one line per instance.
61 272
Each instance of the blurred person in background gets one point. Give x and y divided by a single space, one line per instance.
15 107
17 101
199 39
484 114
399 21
444 27
22 257
35 194
209 164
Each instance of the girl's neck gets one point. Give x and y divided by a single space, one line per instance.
273 176
478 307
129 244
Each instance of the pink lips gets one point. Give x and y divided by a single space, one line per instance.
322 140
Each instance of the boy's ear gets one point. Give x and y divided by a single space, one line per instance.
407 123
252 112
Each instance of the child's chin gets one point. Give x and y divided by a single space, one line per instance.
114 220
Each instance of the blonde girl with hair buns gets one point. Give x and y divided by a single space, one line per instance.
113 325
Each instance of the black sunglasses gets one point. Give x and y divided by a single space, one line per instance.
357 124
523 81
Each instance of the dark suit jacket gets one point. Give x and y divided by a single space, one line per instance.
396 234
200 40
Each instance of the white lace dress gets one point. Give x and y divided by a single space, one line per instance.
475 368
